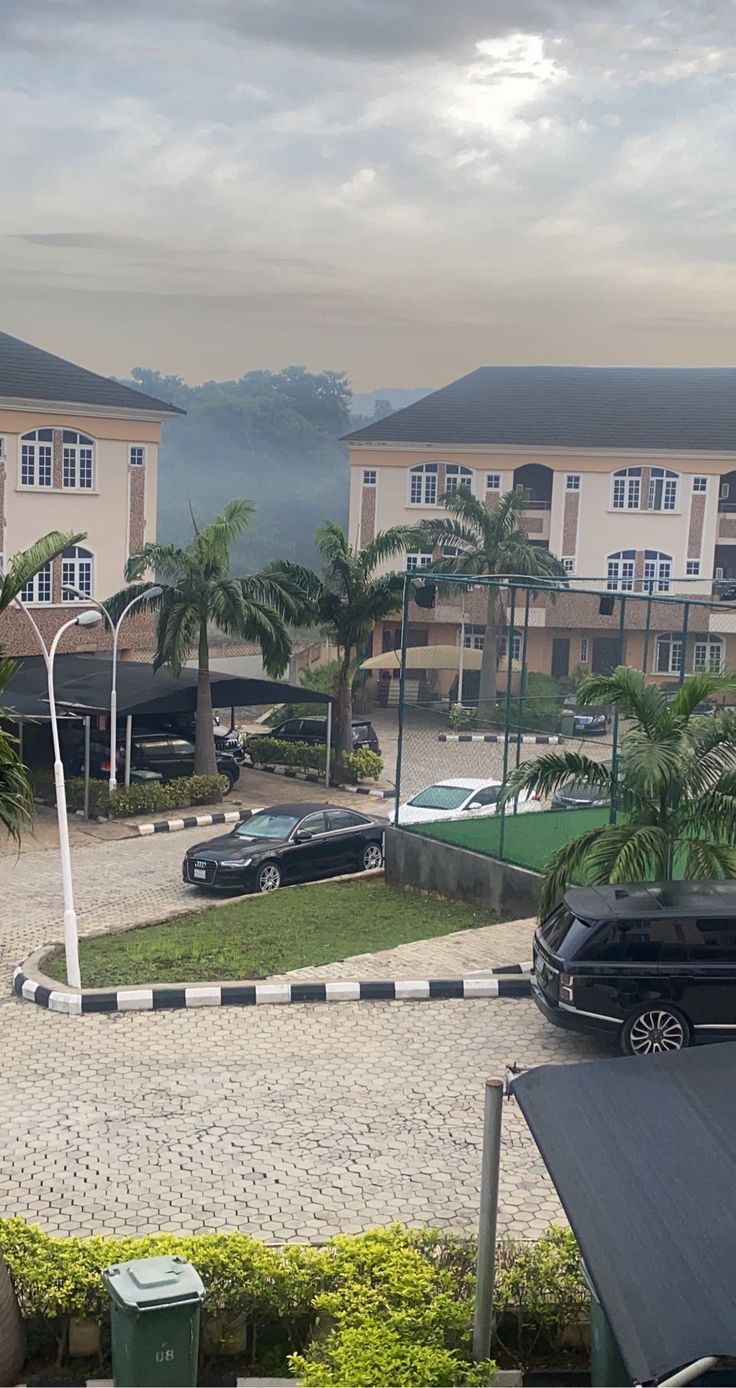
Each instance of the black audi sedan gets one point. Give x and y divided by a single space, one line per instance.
284 844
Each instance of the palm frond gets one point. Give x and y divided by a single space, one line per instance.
16 796
165 561
387 544
697 689
628 853
546 774
117 603
177 633
27 562
650 764
211 546
630 692
565 866
709 861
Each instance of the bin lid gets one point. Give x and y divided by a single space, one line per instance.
146 1283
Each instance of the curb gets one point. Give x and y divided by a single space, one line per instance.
156 999
197 821
292 774
542 740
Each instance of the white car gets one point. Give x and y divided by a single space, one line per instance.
460 797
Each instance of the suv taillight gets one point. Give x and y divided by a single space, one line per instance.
566 988
104 766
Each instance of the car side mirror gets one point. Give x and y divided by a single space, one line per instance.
475 805
303 836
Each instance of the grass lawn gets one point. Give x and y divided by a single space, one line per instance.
254 937
529 839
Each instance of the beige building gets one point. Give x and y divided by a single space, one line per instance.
79 453
631 479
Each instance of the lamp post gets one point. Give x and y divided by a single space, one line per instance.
154 592
71 936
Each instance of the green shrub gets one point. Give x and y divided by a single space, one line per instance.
137 798
461 717
302 756
360 765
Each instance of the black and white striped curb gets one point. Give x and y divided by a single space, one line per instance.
539 740
292 774
197 821
76 1003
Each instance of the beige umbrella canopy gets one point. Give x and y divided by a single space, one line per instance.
426 658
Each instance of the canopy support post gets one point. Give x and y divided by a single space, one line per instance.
328 748
488 1214
87 726
128 746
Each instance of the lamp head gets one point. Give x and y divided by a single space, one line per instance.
89 618
154 592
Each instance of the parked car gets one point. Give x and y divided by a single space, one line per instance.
314 731
184 725
163 753
586 721
459 798
651 963
579 795
287 843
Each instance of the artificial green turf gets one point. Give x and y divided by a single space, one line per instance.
254 937
529 839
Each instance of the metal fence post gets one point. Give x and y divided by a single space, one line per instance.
507 720
685 624
522 683
487 1219
87 725
614 752
328 748
402 680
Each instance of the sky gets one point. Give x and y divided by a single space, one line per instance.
402 189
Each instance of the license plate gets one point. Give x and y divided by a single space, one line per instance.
201 873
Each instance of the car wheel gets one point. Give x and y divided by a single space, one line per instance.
230 782
269 877
655 1029
372 857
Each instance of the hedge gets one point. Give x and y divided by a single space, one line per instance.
391 1306
354 766
137 798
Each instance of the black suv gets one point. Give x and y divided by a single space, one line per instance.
653 963
314 731
164 753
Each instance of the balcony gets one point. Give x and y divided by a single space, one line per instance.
727 521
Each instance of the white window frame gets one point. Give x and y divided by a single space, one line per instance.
703 653
78 462
457 475
39 590
423 481
626 490
673 665
474 635
77 571
136 448
692 568
725 491
493 481
515 646
36 459
572 482
700 484
664 490
657 573
568 564
421 559
619 573
584 650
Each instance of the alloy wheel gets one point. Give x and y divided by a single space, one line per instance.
372 857
656 1031
269 878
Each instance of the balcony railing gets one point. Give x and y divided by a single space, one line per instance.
533 505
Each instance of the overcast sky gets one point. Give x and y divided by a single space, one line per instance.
404 189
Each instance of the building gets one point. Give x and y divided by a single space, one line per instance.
78 452
631 479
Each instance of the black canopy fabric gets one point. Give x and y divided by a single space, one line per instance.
82 683
643 1155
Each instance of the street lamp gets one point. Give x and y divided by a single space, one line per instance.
71 935
154 592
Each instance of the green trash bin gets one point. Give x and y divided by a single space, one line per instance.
155 1322
607 1368
567 723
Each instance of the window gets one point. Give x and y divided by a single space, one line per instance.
657 571
572 482
493 482
515 646
663 489
474 636
312 824
488 796
418 561
708 656
711 938
38 589
136 455
76 572
568 565
620 571
423 485
456 476
700 484
692 568
36 458
626 493
669 655
725 490
583 650
78 453
346 819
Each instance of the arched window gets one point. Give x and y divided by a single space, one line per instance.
77 572
663 487
457 476
36 459
668 659
79 452
657 571
620 571
708 656
626 492
423 485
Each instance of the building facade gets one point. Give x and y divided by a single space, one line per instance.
630 477
78 453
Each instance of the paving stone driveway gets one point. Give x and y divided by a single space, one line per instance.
284 1122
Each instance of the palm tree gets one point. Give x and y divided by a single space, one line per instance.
347 601
16 796
489 544
198 590
674 783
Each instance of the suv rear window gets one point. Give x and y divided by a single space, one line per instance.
563 933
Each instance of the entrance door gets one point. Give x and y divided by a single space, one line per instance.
561 656
606 655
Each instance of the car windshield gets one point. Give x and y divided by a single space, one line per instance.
441 797
268 824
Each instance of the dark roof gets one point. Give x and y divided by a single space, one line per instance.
653 899
642 1153
572 406
29 373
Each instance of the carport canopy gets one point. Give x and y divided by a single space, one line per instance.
82 684
426 658
642 1153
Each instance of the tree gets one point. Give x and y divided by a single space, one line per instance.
674 786
347 601
16 797
489 544
198 590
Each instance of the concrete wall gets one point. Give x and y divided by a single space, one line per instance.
415 861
